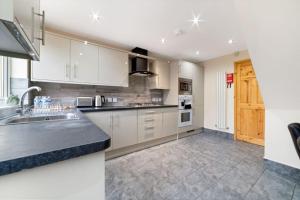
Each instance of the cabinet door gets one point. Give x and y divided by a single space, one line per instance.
162 79
125 128
113 67
84 62
164 75
170 121
149 125
54 64
25 12
104 121
186 70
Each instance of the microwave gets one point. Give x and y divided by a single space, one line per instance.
185 86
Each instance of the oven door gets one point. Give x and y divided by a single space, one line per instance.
185 118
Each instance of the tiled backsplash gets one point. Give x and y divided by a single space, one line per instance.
137 92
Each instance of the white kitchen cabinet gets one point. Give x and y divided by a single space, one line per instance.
170 121
125 128
121 126
84 62
104 121
26 14
198 120
162 78
186 69
54 64
113 67
149 124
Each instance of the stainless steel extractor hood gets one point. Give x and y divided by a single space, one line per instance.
140 65
14 42
22 28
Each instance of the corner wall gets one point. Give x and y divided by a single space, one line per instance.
271 29
211 68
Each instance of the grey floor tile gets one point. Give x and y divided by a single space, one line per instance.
203 166
220 192
296 195
271 186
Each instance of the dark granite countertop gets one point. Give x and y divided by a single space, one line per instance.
116 108
25 146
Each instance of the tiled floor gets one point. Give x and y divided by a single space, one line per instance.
201 167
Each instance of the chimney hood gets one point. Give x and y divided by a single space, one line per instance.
140 65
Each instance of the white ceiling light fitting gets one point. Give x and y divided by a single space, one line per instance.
95 16
197 52
196 20
85 42
163 40
230 41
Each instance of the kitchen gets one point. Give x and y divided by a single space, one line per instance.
89 113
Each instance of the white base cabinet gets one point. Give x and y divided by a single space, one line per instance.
104 121
150 124
121 126
125 131
130 127
170 121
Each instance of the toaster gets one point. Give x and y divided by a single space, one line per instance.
84 101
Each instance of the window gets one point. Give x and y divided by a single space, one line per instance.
4 80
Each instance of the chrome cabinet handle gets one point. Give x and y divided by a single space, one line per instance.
149 112
67 71
75 71
43 26
149 120
149 128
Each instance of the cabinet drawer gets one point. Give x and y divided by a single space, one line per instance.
149 124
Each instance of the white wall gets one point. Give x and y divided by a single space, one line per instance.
211 68
19 68
272 29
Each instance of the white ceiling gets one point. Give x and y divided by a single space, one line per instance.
142 23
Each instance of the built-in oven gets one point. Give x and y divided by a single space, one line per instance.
185 110
185 118
185 86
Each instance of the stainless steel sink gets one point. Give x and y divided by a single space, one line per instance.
29 119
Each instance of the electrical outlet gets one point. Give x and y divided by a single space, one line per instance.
109 99
115 99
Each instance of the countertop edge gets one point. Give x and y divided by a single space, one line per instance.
29 162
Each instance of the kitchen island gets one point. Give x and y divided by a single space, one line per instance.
60 160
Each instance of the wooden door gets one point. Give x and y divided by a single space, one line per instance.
249 106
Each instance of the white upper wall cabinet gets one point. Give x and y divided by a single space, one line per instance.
186 70
113 67
162 78
84 62
54 64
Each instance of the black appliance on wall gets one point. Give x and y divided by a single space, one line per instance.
140 65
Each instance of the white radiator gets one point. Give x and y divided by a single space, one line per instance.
221 100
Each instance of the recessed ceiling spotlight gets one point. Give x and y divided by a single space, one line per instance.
230 41
197 52
95 16
196 20
86 42
163 40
